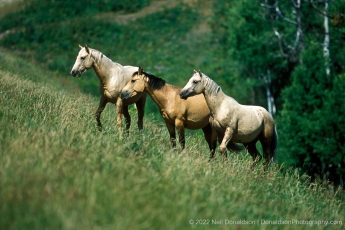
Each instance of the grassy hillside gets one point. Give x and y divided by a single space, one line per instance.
58 172
169 40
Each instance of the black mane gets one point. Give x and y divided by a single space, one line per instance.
154 82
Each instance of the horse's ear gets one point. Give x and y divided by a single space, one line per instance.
81 47
195 71
200 73
140 70
87 49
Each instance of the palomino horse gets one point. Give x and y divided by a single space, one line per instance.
232 121
192 113
113 77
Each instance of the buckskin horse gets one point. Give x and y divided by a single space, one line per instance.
192 113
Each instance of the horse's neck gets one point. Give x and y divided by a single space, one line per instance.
108 71
212 101
213 96
159 96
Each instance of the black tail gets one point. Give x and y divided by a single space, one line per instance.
232 146
274 146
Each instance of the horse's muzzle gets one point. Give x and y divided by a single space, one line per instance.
75 73
183 95
125 95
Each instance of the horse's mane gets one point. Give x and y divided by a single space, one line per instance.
99 57
154 82
210 85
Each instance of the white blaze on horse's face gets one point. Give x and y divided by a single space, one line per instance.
194 86
83 62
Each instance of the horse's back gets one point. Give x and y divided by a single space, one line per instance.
246 121
264 114
259 118
131 69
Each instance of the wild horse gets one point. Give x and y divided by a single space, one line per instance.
232 121
113 77
192 113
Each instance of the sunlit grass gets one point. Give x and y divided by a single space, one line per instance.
58 172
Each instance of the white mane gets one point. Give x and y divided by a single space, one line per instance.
99 56
210 86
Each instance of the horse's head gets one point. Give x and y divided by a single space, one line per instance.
194 86
83 61
135 85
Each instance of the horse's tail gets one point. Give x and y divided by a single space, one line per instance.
232 146
274 145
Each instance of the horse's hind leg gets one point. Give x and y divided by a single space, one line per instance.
266 147
269 142
180 129
141 110
101 106
211 138
251 147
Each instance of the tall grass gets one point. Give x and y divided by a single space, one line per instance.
168 43
58 172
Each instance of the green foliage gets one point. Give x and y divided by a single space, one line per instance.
249 48
311 123
49 31
162 43
58 172
312 120
226 25
308 123
167 44
37 12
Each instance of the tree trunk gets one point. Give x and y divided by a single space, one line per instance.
327 41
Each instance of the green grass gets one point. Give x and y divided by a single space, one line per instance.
167 43
58 172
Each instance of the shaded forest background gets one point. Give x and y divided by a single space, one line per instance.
259 51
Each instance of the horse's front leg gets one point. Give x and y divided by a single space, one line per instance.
101 106
211 138
180 129
127 118
119 109
171 130
227 137
140 104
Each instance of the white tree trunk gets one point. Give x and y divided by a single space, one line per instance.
270 99
327 41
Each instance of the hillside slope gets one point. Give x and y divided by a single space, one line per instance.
58 172
167 38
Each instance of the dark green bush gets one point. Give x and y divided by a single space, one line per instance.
312 122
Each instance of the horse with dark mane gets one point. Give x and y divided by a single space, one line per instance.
192 113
